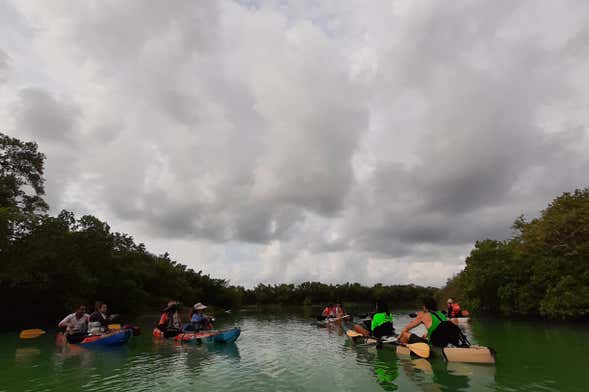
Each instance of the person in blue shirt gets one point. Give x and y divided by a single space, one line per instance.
198 320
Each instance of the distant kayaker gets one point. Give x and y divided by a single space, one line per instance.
453 309
382 321
198 320
99 319
440 331
170 323
329 311
76 325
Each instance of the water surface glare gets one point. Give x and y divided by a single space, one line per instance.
284 352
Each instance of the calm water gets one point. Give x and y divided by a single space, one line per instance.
283 352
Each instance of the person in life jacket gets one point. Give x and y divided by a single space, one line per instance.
170 323
329 311
453 309
198 320
440 331
382 322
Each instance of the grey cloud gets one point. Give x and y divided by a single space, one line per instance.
319 134
4 66
44 117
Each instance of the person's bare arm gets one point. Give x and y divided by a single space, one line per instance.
414 323
63 323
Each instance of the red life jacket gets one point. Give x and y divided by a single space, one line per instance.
456 312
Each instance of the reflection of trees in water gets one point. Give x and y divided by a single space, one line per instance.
384 365
434 374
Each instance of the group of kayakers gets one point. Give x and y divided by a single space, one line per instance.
441 328
331 311
79 324
170 323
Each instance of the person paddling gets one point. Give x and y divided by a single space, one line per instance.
198 320
453 309
382 321
339 311
440 331
99 319
170 323
76 325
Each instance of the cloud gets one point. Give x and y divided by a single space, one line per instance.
285 141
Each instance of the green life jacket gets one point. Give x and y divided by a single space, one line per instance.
380 318
436 321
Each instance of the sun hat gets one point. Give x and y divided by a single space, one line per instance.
199 306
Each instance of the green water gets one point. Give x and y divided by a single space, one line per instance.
283 352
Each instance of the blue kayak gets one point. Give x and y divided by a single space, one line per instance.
107 340
227 336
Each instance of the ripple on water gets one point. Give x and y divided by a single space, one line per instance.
274 353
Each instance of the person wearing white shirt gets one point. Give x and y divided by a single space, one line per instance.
76 325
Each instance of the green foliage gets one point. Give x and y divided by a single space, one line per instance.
542 271
319 293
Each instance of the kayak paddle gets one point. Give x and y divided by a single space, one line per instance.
31 333
419 349
353 334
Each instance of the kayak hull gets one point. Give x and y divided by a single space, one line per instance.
107 340
473 354
213 336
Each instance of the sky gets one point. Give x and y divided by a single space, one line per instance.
286 141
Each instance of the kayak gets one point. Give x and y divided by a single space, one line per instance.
331 320
472 354
212 336
112 339
363 340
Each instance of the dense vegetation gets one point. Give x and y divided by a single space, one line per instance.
317 293
50 264
542 271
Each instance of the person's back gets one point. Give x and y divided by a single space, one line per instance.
440 331
169 322
382 322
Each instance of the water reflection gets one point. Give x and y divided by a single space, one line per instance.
281 351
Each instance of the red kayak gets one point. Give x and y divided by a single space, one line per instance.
212 336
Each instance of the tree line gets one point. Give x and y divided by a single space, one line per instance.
51 264
542 271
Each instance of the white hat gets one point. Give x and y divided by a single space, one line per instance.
199 306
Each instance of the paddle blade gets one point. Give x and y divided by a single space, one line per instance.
402 350
114 327
419 349
31 333
353 334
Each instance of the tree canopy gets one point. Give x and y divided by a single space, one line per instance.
542 271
